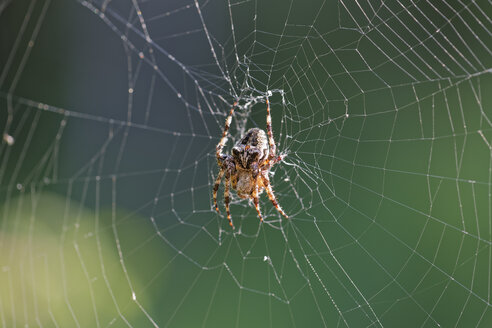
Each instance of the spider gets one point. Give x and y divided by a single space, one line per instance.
248 167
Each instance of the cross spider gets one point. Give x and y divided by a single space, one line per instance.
248 167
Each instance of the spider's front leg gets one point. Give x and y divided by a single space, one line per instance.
271 141
223 140
273 158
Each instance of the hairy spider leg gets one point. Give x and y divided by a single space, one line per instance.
223 140
271 195
227 199
271 141
216 187
257 202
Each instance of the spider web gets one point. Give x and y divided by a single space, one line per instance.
111 111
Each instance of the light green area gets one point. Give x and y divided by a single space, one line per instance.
60 265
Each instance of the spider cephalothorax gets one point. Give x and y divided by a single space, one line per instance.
248 167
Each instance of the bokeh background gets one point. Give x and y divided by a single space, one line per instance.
110 113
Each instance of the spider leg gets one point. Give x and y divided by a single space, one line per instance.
269 162
271 141
227 199
255 170
271 195
223 140
256 202
216 188
277 159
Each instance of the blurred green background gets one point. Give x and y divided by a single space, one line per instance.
115 108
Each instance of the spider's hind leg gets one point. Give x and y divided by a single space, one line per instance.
227 199
257 202
271 195
216 188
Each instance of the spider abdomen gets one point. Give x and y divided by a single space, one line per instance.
246 183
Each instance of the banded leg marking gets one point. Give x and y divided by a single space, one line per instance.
257 203
223 140
216 188
271 196
271 141
227 199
